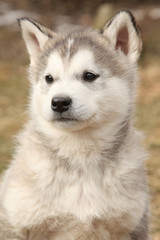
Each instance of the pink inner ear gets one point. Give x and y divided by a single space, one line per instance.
35 40
122 40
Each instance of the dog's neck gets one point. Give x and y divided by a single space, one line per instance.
70 144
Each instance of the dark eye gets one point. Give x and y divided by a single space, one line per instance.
90 77
49 78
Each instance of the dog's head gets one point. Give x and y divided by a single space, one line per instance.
85 78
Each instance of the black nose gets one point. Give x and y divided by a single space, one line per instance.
61 104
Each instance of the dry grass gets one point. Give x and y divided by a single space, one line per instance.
13 87
149 121
13 98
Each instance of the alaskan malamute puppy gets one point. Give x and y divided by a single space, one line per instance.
78 170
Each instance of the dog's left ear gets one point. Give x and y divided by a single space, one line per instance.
124 35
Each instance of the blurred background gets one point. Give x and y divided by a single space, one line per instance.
56 14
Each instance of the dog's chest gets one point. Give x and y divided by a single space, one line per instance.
77 192
88 191
83 184
78 198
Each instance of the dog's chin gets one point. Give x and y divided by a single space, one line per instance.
68 123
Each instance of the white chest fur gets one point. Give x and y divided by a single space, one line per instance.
81 184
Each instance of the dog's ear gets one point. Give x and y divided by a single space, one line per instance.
124 35
35 37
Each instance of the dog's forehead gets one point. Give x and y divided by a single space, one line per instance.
83 59
71 53
68 45
79 52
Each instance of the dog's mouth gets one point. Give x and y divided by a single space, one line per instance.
65 119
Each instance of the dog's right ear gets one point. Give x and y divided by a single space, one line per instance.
35 37
124 35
